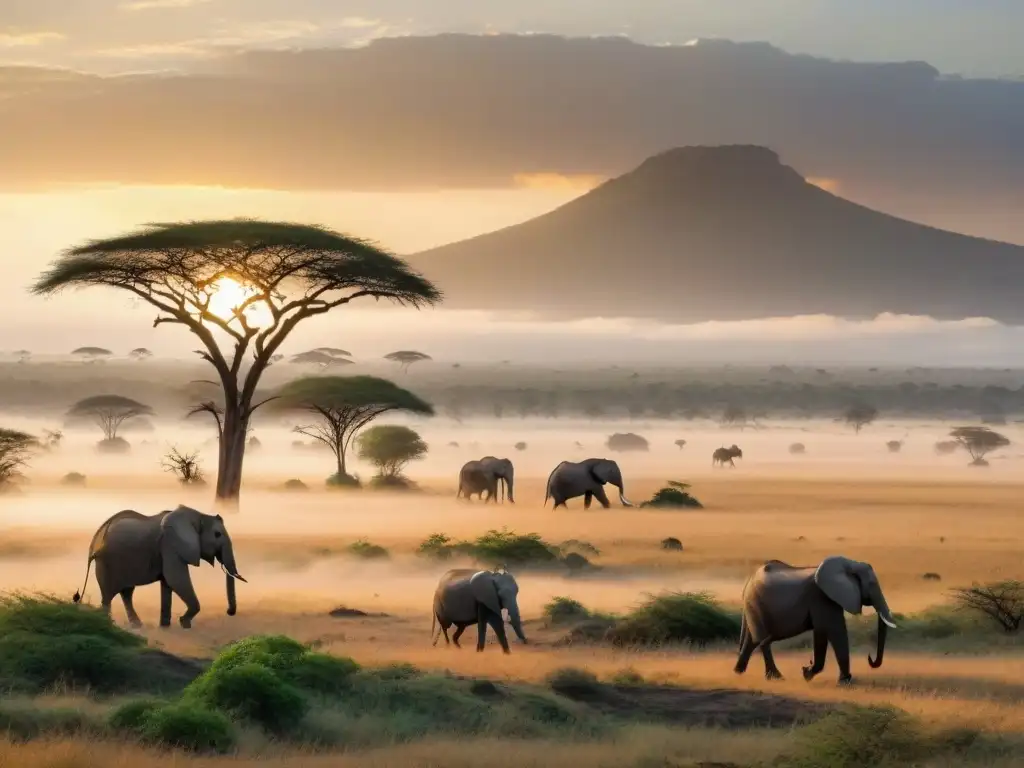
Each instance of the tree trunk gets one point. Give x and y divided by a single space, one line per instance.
231 456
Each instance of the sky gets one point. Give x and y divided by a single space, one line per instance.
968 37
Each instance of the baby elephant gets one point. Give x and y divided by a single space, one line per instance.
464 597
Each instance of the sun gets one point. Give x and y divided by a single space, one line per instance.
227 295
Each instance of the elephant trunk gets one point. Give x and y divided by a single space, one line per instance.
884 623
622 496
227 559
516 621
230 586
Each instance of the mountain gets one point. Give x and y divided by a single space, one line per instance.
476 111
726 233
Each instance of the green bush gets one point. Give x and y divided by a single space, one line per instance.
673 496
573 682
322 673
856 737
132 715
340 480
437 546
563 610
24 723
687 617
179 725
252 692
45 642
503 547
367 551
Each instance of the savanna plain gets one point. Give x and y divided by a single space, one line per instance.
950 692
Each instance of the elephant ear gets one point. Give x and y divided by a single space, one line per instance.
179 535
602 471
485 590
836 577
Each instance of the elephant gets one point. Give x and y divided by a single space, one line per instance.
781 601
587 479
484 475
722 455
132 549
465 596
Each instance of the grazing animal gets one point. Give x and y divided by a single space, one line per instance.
131 549
484 476
587 479
781 601
723 455
465 597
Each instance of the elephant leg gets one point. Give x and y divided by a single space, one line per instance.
587 498
106 596
481 628
177 577
498 625
458 633
747 646
820 651
771 672
602 497
165 604
129 608
840 641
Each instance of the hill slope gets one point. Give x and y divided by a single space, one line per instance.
726 233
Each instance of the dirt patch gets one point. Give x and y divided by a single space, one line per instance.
722 708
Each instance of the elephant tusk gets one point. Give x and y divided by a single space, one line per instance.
238 576
887 622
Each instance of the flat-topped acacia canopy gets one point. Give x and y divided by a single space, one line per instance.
295 271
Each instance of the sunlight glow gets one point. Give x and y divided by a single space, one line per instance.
227 295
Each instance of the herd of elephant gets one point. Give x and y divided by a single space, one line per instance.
780 601
490 478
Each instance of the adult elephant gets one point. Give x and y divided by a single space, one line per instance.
782 601
131 549
587 479
465 597
484 475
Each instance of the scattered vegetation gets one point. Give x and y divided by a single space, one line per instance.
184 466
627 441
979 442
406 358
1002 602
798 449
110 412
295 485
367 551
564 610
673 496
672 544
859 415
520 446
576 545
494 548
389 448
894 446
680 444
15 449
74 480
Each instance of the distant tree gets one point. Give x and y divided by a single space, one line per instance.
252 282
52 439
627 441
859 415
406 357
140 354
1002 601
185 466
734 415
389 447
15 449
520 446
109 412
334 351
679 443
344 405
23 355
979 442
92 354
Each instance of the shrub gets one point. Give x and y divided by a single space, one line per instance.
562 610
392 483
73 479
674 496
342 480
797 448
860 736
295 485
576 562
506 548
687 617
367 551
389 447
1002 602
628 676
627 441
672 544
572 681
180 725
253 692
576 545
15 448
23 723
45 642
114 445
520 446
437 546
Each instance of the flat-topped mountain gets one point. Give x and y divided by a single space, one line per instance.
726 233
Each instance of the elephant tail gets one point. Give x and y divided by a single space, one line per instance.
547 487
79 595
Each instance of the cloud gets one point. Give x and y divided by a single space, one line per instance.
156 50
579 182
149 5
16 39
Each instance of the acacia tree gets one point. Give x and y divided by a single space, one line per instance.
343 406
15 448
285 272
109 412
92 354
859 415
406 357
140 354
979 441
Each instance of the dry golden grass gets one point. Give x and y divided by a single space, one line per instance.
287 546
